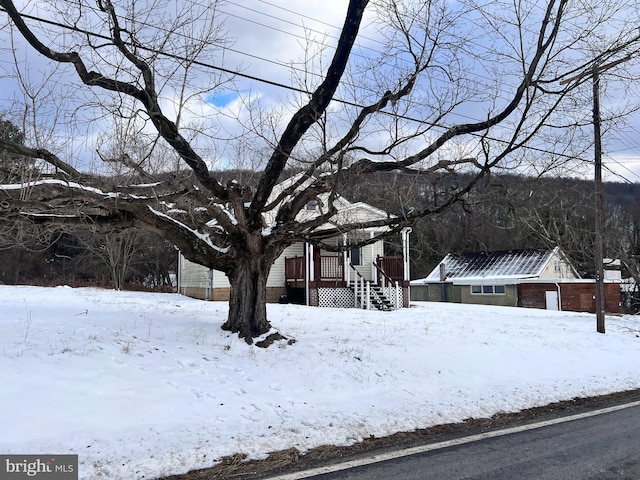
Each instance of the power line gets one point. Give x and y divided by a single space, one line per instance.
277 63
286 32
313 19
217 67
282 85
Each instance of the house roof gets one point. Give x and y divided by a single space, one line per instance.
506 264
347 212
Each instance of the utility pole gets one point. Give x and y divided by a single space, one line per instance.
597 142
599 192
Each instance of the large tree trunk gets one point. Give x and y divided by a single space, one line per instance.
248 297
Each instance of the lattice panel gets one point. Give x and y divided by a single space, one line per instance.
335 297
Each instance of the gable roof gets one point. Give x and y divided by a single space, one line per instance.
347 212
506 264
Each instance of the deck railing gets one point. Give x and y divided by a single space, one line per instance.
390 287
361 290
393 267
331 267
294 268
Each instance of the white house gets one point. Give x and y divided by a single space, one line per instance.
361 277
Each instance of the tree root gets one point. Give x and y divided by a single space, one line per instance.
274 337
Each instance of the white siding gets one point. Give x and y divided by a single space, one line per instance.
220 280
196 276
192 275
558 268
369 255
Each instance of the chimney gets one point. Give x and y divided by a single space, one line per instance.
443 272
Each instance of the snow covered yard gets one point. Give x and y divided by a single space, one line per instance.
141 385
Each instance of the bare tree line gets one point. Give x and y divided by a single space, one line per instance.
502 213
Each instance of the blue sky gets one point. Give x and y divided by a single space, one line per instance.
221 99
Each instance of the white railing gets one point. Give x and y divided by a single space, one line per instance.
361 291
364 293
390 287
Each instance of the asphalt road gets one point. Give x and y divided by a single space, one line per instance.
601 447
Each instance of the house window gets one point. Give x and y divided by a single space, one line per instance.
355 254
488 290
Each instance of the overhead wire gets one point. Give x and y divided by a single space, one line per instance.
318 21
222 69
375 40
630 145
289 66
272 82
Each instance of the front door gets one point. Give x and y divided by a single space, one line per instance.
551 300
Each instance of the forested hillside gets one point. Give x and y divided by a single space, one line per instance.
511 212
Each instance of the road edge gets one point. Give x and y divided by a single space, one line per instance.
289 464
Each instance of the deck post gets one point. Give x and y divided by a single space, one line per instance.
355 291
407 262
368 295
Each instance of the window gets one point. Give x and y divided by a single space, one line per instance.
488 290
355 254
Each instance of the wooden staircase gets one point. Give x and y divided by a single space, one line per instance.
370 295
379 299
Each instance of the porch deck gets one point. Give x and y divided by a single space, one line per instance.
330 271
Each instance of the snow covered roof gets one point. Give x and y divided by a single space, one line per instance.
347 212
507 264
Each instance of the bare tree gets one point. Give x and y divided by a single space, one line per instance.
117 251
452 87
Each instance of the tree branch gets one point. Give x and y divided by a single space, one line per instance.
310 113
147 96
